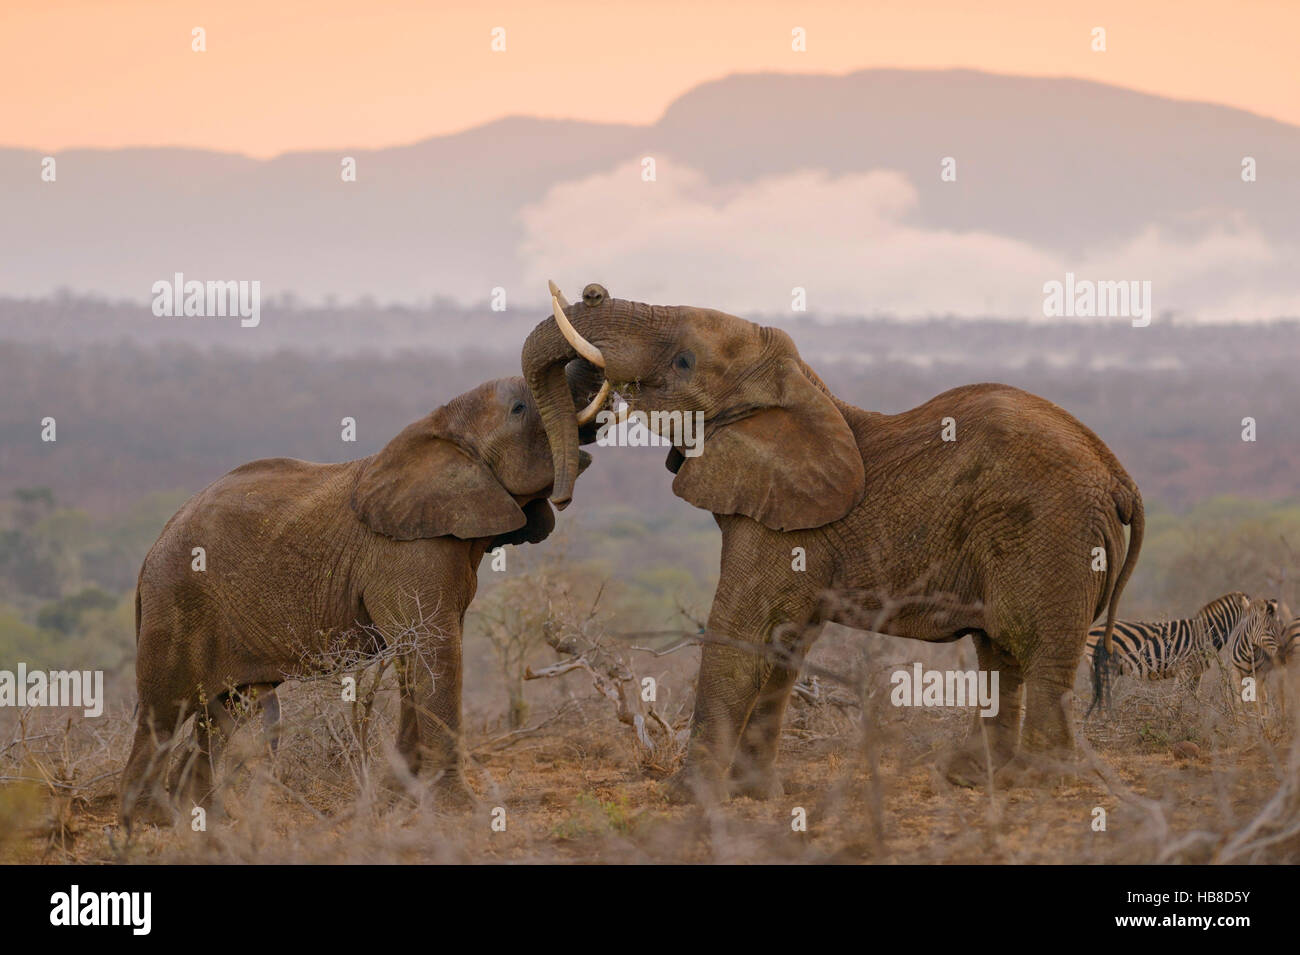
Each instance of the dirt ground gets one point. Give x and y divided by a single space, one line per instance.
574 786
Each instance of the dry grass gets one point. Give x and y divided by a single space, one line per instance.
576 786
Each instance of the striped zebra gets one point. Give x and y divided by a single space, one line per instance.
1289 643
1268 637
1160 650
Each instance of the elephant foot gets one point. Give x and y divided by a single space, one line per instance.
688 787
451 794
1039 771
758 784
967 767
147 812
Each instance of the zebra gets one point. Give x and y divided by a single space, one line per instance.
1160 650
1289 643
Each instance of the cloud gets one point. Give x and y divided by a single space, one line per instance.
848 241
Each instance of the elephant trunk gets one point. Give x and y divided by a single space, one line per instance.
599 328
545 357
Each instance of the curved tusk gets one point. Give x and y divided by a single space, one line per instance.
589 413
583 347
557 294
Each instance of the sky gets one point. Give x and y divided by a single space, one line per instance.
285 76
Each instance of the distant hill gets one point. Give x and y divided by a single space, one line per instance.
167 416
1050 171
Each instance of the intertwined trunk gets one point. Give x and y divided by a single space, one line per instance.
544 358
615 327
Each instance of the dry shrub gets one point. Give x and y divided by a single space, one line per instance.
575 785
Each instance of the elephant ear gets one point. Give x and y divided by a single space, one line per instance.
423 485
540 523
790 466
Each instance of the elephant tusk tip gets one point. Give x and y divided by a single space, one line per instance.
579 344
556 294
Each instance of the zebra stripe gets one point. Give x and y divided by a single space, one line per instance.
1160 650
1260 648
1289 642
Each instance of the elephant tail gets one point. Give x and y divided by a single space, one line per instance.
1100 678
1128 505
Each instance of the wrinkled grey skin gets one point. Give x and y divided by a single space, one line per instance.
991 536
305 558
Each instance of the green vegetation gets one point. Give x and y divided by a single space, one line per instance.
67 578
594 816
1222 544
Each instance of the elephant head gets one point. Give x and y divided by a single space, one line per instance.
776 447
478 467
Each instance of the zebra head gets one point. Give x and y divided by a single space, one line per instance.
1265 634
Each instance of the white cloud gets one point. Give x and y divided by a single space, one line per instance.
847 241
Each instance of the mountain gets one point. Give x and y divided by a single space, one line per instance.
1052 175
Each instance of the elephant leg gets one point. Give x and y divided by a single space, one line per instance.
429 727
751 606
1048 726
182 766
271 724
727 690
1040 616
143 797
992 741
408 732
1047 752
254 698
212 731
437 686
753 772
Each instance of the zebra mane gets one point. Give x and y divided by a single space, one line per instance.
1224 618
1232 601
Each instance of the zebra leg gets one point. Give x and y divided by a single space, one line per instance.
1189 677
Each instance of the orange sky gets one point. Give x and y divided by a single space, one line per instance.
280 76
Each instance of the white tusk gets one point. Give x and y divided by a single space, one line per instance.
557 294
583 347
589 413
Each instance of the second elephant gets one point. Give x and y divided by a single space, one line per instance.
299 560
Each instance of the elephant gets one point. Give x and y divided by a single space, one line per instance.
299 559
986 512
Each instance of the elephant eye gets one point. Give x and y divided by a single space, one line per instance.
685 361
519 408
